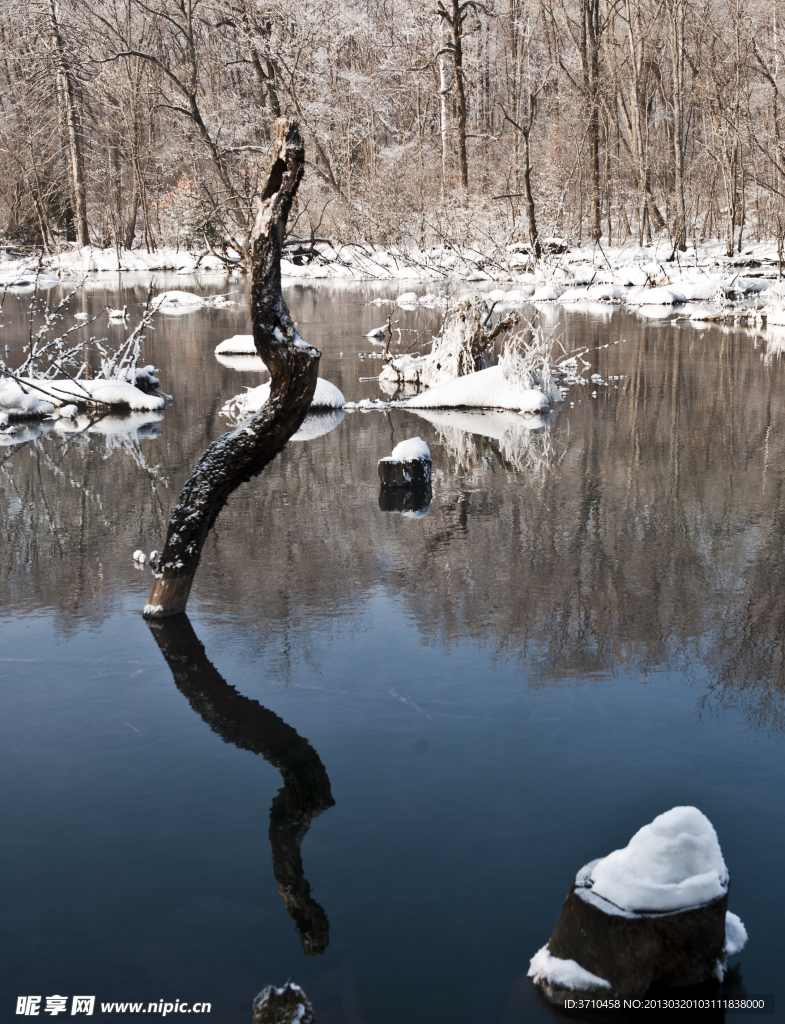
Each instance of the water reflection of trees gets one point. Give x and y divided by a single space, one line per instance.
655 540
249 726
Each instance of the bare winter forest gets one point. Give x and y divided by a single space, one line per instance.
149 122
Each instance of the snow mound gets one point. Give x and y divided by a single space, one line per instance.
565 973
735 934
406 451
60 392
326 396
16 405
673 863
485 389
178 302
238 344
603 293
702 290
656 296
519 295
547 293
407 299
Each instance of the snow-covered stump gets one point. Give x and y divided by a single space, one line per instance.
287 1005
653 912
409 466
293 364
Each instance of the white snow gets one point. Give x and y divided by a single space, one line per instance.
547 292
26 280
664 296
485 389
16 405
735 934
140 556
673 863
377 332
178 302
407 299
238 344
326 396
409 450
109 392
566 973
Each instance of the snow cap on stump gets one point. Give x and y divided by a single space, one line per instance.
408 466
654 911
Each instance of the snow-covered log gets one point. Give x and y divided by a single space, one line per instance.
250 726
293 365
654 911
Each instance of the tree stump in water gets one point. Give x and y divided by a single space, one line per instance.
654 912
287 1005
408 466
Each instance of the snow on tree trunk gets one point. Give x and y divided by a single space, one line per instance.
241 454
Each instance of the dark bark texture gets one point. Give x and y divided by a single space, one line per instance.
246 724
633 952
242 453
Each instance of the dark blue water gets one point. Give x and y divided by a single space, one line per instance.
498 692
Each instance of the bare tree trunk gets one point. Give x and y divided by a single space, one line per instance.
590 59
249 726
460 92
677 11
241 454
534 238
444 116
74 139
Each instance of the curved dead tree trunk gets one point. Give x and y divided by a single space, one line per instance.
246 724
293 365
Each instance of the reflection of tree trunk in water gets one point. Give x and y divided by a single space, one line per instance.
242 453
249 726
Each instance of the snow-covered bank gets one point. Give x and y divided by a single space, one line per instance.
19 397
649 278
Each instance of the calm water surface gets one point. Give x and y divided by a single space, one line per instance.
584 630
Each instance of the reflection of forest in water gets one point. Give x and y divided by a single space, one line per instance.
655 537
